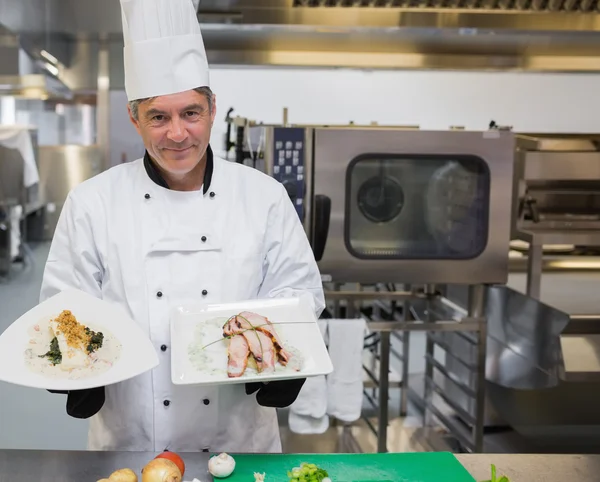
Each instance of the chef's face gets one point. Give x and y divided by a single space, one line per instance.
176 129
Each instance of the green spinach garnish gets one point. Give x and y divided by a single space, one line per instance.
96 340
54 354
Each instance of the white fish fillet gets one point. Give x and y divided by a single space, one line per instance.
71 357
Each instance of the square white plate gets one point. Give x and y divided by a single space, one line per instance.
195 326
137 353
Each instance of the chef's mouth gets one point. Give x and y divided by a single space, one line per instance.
175 149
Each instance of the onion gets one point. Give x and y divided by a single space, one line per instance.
221 466
161 470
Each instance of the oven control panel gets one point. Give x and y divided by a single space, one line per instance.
289 163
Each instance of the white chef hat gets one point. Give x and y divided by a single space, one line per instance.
164 51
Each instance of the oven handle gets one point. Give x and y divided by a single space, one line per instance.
322 213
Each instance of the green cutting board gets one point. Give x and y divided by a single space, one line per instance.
392 467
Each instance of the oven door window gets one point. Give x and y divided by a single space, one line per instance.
416 206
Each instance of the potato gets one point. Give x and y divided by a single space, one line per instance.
123 475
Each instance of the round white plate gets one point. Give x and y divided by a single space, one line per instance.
137 353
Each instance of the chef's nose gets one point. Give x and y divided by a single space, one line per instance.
177 131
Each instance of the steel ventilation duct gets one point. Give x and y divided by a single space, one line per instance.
519 15
518 35
490 6
25 74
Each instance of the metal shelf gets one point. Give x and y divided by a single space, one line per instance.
470 324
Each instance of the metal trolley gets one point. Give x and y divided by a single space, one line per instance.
395 314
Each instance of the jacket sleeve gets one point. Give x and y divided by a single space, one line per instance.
289 270
74 263
289 267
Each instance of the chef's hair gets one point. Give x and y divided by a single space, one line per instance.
205 91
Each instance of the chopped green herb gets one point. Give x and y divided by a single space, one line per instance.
494 478
96 340
54 354
307 473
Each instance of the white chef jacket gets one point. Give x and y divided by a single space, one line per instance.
125 239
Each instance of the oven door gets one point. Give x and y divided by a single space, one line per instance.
412 206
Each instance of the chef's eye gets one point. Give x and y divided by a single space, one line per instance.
191 113
158 118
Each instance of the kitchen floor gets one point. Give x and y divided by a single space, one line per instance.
34 419
31 418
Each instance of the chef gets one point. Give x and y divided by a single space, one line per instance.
179 225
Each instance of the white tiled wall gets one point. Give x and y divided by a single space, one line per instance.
432 100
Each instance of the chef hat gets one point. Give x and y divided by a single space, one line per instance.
164 51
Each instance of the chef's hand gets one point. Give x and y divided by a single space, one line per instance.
278 394
83 403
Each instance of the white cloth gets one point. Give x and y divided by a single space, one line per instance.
116 244
164 50
15 230
19 137
345 385
308 414
340 394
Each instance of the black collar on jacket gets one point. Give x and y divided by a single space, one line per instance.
154 173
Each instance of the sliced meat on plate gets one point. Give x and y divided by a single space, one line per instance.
261 345
263 324
237 352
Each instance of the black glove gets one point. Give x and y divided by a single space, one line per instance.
84 403
278 394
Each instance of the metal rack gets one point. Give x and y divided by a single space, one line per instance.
14 194
467 424
556 196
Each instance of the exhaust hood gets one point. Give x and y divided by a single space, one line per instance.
546 15
34 75
517 35
533 35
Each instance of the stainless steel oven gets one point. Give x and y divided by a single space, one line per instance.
399 205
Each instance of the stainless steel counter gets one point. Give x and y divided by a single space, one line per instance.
67 466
